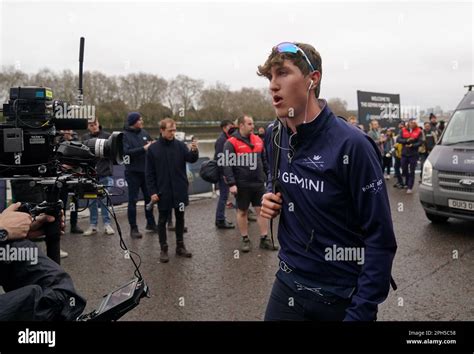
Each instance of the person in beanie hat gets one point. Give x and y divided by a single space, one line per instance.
136 142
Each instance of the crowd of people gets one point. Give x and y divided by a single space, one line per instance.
404 147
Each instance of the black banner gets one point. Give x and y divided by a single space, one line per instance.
384 107
291 337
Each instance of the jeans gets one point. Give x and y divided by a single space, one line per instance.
93 208
397 167
408 167
221 203
136 181
162 220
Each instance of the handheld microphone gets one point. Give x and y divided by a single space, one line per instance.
149 206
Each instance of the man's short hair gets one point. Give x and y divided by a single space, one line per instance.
225 123
241 119
164 123
276 59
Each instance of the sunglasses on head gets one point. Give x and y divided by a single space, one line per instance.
288 47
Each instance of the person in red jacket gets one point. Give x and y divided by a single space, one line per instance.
245 172
410 138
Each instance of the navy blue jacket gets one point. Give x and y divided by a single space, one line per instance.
166 172
334 196
133 142
219 145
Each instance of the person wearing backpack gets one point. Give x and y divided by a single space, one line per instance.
326 183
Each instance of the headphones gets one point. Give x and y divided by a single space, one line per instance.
311 84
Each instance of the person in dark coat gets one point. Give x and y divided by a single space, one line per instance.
136 142
168 183
221 221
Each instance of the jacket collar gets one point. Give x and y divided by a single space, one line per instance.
315 126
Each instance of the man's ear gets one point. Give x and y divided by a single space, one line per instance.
315 76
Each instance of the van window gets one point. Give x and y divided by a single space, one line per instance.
460 127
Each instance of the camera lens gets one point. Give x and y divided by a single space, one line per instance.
111 148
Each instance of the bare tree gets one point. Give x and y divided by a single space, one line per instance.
183 93
11 77
139 89
338 106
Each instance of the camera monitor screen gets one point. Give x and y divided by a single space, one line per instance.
118 296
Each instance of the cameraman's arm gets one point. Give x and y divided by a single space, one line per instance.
37 289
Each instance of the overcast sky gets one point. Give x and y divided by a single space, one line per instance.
421 50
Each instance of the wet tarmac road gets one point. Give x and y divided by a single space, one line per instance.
433 268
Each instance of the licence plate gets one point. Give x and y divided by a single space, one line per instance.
461 204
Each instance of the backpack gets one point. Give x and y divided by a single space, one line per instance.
209 171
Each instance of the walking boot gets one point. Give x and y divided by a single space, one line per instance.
182 251
164 254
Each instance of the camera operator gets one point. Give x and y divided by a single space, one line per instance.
136 142
69 135
36 289
104 168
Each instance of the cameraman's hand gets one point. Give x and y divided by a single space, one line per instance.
15 222
36 228
194 145
271 205
155 198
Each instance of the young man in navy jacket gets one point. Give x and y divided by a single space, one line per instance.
335 228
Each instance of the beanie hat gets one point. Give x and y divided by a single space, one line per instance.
132 118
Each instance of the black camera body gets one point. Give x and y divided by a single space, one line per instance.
30 142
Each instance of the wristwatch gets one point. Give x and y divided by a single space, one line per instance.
3 235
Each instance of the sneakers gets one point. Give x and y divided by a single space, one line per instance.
164 258
92 230
109 230
224 224
266 244
63 254
76 230
245 244
134 233
181 251
409 191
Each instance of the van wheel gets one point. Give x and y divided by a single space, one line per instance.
437 219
